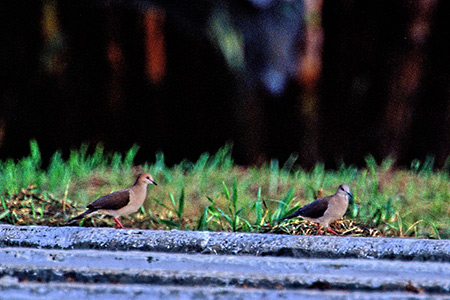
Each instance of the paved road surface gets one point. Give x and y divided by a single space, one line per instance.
61 263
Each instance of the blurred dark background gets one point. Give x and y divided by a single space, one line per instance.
331 81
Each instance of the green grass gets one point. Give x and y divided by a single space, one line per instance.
215 194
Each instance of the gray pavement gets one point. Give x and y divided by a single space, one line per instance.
96 263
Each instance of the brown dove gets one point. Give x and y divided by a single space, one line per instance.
325 210
122 202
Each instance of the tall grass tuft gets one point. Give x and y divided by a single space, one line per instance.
212 193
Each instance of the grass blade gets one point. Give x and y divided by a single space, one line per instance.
258 210
5 207
168 223
226 191
180 209
4 214
202 221
283 205
228 218
235 195
161 203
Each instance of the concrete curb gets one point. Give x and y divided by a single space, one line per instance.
223 279
37 291
224 243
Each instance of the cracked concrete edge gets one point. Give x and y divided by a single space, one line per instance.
206 242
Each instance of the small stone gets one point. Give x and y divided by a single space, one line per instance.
8 280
